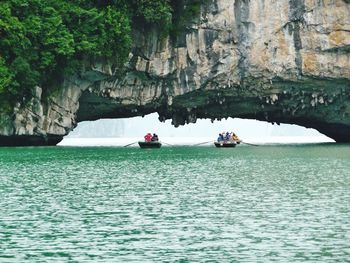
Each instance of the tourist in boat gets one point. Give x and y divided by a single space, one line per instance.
227 136
155 138
221 137
235 138
148 137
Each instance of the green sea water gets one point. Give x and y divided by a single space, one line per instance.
175 204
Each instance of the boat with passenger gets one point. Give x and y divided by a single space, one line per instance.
150 144
151 141
225 144
227 140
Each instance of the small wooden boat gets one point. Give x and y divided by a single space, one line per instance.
150 144
225 144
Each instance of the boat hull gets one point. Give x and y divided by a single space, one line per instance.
150 144
225 144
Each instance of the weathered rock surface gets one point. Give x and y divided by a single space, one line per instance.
280 61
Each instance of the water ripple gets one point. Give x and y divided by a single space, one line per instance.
175 204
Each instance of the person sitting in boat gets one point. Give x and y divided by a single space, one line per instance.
155 138
148 137
227 136
235 138
221 137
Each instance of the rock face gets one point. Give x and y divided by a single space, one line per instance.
285 61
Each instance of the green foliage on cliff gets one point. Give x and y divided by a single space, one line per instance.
184 11
152 11
41 40
5 76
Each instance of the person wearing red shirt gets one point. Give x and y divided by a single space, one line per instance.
148 137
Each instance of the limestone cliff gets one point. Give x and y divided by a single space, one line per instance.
280 61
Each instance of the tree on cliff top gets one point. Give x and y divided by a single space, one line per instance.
41 40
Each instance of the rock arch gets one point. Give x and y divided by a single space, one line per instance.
282 61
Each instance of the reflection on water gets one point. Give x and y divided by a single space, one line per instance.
247 204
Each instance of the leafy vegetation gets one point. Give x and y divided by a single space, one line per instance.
183 12
41 40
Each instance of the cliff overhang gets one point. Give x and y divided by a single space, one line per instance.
281 62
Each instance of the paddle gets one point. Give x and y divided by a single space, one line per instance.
168 144
129 144
249 143
201 143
